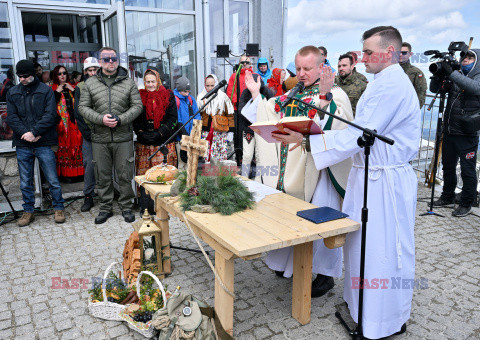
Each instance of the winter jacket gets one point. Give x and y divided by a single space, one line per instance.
185 111
122 99
32 108
463 98
268 73
233 86
82 125
167 128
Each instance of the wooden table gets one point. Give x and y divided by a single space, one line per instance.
272 224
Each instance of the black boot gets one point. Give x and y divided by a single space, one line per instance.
142 201
87 203
103 216
321 285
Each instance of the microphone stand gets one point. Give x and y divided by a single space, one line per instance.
365 141
162 147
181 128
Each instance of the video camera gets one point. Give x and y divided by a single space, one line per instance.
448 57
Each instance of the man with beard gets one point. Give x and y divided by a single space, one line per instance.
348 81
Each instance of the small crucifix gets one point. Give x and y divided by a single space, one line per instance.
195 147
292 106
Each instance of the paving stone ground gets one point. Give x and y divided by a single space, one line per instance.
447 258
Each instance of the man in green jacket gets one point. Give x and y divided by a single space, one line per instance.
110 102
414 73
349 81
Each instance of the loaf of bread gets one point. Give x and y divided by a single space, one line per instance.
161 173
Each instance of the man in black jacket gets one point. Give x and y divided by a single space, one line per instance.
90 67
463 100
32 115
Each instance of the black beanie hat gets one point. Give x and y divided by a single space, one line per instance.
25 67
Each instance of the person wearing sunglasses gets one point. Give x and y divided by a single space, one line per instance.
110 102
414 73
237 80
32 115
69 154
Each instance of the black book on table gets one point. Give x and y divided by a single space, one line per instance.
320 215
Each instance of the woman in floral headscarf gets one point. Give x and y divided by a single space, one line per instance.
276 80
153 127
212 132
69 153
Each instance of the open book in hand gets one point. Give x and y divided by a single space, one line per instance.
304 125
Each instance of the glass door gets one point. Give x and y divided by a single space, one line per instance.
114 32
53 39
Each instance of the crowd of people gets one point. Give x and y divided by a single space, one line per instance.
86 127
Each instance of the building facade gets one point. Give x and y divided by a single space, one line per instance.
179 37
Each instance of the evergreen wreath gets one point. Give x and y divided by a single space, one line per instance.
226 194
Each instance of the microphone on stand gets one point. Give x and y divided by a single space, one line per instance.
164 151
215 89
291 95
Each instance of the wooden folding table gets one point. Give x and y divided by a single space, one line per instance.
272 224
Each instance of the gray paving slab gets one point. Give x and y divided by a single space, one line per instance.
33 260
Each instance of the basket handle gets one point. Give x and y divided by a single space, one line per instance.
105 275
156 280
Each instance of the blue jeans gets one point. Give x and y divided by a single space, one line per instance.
46 159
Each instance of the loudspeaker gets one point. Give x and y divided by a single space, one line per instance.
223 51
252 50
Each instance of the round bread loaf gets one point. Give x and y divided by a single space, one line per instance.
161 173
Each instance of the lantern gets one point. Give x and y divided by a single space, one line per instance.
145 228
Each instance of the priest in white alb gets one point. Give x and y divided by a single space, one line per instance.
294 172
390 106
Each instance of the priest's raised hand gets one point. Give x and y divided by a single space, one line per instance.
252 85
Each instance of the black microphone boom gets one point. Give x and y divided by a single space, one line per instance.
215 89
291 95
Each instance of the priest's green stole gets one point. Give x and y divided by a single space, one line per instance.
296 109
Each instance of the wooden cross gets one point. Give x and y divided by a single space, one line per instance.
195 147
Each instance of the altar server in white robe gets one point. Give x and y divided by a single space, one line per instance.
390 106
297 175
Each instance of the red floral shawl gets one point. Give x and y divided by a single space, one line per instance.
156 103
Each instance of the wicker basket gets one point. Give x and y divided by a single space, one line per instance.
104 309
145 329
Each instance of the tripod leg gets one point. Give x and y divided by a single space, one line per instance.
340 318
5 194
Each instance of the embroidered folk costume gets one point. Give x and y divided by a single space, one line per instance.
69 154
154 126
219 106
294 172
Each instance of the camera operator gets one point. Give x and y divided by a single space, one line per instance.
463 100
